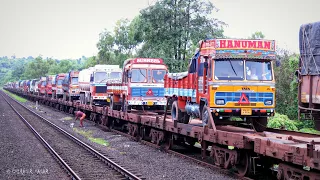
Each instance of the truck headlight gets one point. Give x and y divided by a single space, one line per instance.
268 102
220 101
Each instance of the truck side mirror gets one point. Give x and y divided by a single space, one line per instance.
91 78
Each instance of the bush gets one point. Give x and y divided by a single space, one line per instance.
305 124
282 121
309 130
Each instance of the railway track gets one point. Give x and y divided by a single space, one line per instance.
77 158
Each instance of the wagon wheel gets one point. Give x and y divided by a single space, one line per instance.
244 164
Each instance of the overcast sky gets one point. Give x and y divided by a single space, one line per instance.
70 28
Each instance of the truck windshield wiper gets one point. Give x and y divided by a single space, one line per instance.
233 68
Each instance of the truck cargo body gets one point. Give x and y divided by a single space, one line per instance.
27 86
309 73
70 86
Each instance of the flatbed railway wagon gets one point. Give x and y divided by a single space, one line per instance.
243 150
309 73
232 77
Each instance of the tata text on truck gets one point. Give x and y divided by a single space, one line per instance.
232 77
92 83
142 85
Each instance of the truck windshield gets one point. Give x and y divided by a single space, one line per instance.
44 83
138 75
115 75
258 70
100 77
229 69
59 82
74 80
158 75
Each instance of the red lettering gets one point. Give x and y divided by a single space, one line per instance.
222 43
251 44
260 44
237 44
267 45
244 44
146 60
230 45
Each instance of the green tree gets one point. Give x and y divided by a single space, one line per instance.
257 35
286 84
171 27
36 68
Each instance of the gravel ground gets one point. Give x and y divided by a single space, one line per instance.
150 162
22 154
85 164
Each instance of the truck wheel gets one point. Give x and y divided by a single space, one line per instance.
205 115
178 115
260 124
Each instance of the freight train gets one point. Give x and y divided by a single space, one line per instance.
219 84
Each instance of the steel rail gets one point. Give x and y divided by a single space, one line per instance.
108 161
55 154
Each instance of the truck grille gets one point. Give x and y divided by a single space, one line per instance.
101 89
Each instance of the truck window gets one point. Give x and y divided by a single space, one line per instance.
229 69
115 75
158 75
74 80
60 82
258 70
138 75
100 77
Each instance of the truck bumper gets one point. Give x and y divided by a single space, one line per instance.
145 102
243 112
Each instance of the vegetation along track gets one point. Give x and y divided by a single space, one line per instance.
80 160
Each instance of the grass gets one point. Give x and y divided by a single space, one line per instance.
88 134
66 118
18 98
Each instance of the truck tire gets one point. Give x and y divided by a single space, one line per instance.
178 115
205 115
